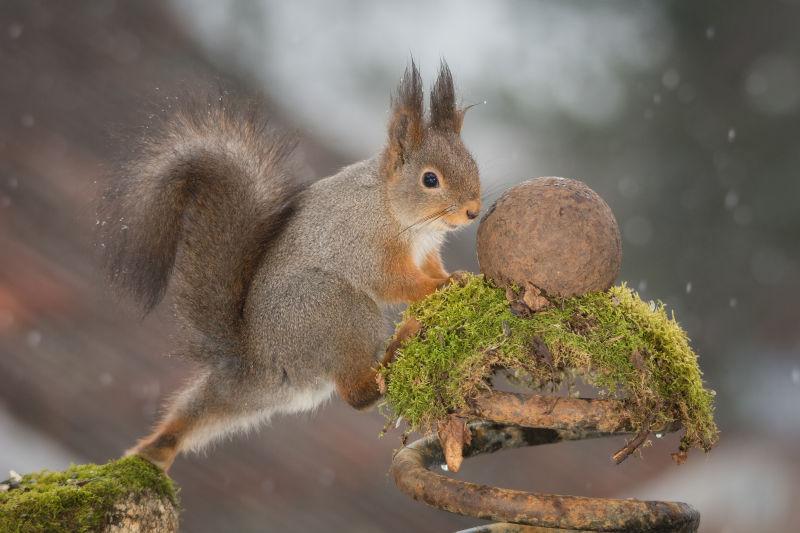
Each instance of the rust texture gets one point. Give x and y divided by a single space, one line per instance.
592 417
603 416
578 415
506 527
572 241
413 470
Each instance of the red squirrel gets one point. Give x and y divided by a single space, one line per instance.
280 287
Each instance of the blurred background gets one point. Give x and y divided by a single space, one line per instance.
684 116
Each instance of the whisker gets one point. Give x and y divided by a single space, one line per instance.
418 222
429 218
431 221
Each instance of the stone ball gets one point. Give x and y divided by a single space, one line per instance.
555 233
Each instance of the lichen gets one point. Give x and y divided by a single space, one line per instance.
80 498
625 347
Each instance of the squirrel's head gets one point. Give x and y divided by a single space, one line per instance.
432 181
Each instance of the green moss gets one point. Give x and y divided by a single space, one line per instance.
81 498
624 346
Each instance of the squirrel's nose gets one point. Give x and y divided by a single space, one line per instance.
472 209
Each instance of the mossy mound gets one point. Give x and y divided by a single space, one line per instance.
625 347
82 498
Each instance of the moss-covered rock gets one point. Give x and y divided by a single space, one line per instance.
84 498
625 347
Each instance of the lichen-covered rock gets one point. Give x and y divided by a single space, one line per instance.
554 233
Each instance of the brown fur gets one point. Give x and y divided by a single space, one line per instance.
407 282
433 265
410 327
445 114
360 390
406 123
161 447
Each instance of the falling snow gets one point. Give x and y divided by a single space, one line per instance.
671 79
731 200
15 30
33 338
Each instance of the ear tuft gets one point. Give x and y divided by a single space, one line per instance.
409 92
406 123
445 115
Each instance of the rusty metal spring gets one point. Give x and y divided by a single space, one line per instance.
514 421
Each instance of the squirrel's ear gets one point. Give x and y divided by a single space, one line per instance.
406 122
445 115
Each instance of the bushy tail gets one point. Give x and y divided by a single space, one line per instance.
204 197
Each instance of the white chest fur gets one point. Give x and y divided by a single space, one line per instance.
424 242
309 398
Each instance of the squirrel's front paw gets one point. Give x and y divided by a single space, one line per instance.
410 327
459 277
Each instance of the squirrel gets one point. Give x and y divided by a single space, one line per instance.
281 287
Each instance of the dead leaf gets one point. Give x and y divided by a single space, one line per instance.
637 359
680 456
540 351
519 309
533 298
454 435
581 323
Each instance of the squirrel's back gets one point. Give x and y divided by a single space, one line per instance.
341 224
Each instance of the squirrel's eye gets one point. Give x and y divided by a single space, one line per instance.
430 180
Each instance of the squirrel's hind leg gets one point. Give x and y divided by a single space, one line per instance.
163 444
194 418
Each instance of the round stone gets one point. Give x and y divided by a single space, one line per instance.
555 233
